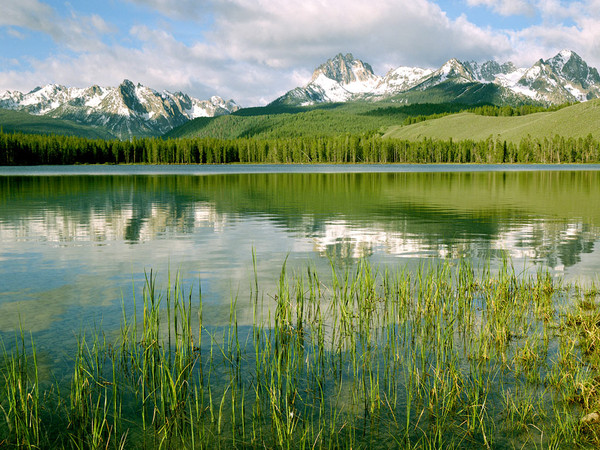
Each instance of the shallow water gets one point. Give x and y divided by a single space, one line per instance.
75 240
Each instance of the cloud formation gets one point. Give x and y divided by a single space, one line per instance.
78 32
254 50
284 33
506 7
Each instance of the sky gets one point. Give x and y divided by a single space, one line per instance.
253 51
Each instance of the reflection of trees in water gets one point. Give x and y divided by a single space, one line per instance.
568 245
133 229
570 251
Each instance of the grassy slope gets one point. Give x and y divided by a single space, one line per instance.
18 121
574 121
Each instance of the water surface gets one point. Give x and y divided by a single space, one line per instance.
75 240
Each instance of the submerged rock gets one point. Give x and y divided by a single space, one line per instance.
590 418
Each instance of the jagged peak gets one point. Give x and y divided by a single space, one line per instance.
572 67
51 87
127 84
452 68
565 56
344 69
453 62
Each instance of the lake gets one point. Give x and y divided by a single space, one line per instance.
78 244
75 240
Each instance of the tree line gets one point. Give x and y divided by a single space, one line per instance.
25 149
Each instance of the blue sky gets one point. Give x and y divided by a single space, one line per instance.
254 50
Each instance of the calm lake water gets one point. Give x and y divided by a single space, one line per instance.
74 241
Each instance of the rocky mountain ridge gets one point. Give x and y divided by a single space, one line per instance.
563 78
125 111
130 109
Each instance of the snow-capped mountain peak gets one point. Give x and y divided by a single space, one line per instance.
454 69
339 79
126 110
570 66
564 78
346 70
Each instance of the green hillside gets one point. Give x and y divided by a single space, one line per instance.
21 122
332 119
574 121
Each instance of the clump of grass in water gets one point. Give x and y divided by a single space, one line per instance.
444 356
21 395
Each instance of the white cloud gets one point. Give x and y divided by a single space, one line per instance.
594 7
506 7
180 9
30 14
558 11
79 33
284 33
15 33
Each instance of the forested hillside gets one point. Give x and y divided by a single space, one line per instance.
313 121
18 121
21 149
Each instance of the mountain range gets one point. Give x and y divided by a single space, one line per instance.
130 109
124 111
564 78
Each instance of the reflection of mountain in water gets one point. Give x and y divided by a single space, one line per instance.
128 223
542 216
555 244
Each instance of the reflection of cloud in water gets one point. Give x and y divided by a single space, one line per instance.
556 244
124 223
359 242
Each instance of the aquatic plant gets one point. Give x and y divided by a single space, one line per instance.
445 356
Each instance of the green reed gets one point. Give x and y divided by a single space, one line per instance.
444 356
21 394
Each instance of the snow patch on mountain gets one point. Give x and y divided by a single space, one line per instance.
575 92
401 79
511 78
